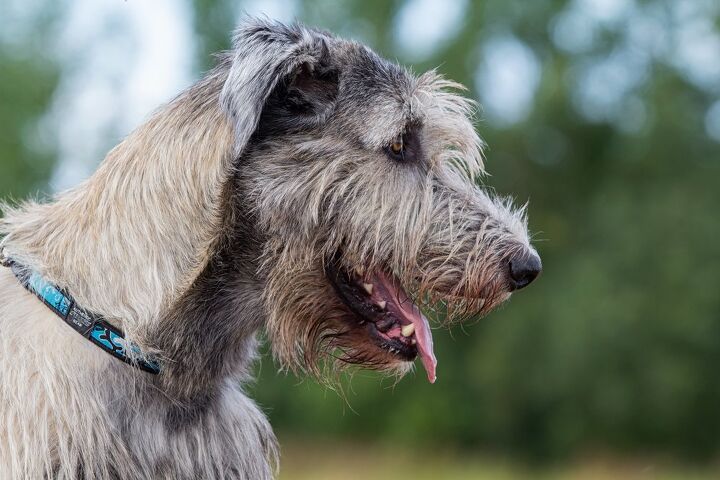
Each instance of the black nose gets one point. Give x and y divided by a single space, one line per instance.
524 268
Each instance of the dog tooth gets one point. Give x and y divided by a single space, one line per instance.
408 330
382 304
413 341
368 288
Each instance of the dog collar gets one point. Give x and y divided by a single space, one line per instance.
89 325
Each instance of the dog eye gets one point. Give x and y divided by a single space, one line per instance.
396 150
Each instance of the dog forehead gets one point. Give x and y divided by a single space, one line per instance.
376 98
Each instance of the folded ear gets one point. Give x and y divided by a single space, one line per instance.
285 65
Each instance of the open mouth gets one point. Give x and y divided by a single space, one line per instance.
392 320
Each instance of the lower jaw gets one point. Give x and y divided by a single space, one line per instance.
396 347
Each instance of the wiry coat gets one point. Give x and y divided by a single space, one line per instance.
218 218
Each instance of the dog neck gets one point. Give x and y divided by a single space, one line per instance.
210 333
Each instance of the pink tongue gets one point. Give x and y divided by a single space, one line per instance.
399 303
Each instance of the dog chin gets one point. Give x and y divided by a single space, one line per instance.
363 349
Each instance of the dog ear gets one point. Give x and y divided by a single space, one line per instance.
286 66
309 97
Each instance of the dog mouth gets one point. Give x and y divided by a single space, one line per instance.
393 322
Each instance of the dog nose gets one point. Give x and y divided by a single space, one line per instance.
524 268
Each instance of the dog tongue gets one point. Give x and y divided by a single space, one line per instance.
399 303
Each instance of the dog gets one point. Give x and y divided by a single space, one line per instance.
305 187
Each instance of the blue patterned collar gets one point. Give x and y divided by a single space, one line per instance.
89 325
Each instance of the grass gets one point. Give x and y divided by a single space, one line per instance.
326 461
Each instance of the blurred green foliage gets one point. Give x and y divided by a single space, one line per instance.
23 168
614 348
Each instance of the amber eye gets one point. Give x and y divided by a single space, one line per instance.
396 147
396 150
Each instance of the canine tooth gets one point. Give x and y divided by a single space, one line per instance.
368 288
408 330
382 304
413 341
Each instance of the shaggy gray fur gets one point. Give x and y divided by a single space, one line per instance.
223 215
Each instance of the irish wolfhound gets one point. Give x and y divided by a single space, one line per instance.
305 186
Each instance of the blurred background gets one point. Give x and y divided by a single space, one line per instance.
605 114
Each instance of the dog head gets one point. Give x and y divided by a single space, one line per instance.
361 179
